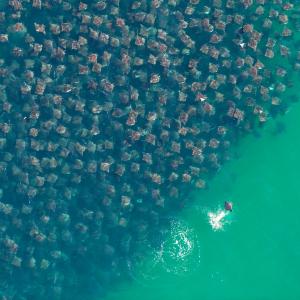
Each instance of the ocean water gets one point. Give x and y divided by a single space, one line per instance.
257 254
71 229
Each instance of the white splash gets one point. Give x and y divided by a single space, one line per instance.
217 219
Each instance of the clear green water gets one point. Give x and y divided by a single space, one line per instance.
257 255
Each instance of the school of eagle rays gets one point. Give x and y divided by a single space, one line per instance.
111 112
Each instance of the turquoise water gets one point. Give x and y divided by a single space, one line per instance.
111 113
257 255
